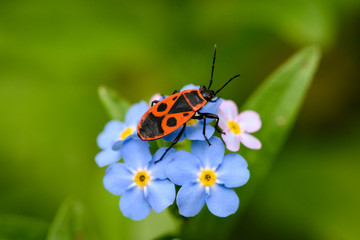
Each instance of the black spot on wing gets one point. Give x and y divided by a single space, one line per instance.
181 105
194 98
171 122
151 126
185 114
174 98
162 107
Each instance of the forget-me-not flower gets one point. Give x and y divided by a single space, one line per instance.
115 133
238 126
207 176
141 184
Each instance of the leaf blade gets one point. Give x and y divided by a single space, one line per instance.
278 101
70 222
115 105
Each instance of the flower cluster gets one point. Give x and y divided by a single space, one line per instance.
206 175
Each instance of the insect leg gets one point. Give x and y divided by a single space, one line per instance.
173 143
204 129
154 102
202 116
216 117
214 100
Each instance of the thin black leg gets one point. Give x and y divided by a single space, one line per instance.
202 116
214 100
173 143
154 102
216 117
204 129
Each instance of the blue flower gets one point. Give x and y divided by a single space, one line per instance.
142 184
207 176
194 127
116 133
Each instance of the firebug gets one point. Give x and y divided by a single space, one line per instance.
174 111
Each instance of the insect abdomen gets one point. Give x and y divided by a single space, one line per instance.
150 127
165 117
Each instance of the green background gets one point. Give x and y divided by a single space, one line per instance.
55 55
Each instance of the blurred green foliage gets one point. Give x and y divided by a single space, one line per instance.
71 222
277 101
55 55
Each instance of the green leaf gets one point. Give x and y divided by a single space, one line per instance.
113 103
16 227
278 101
70 223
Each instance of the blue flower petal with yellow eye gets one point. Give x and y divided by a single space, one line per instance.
222 201
134 205
183 168
191 199
106 157
233 171
210 156
142 184
160 194
117 178
158 169
136 153
206 176
116 133
135 112
110 133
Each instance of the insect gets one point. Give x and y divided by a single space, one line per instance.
174 111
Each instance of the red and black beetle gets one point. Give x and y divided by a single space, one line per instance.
169 114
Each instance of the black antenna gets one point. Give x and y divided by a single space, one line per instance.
226 84
213 65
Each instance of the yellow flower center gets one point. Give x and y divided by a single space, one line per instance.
192 122
207 177
234 127
142 178
127 132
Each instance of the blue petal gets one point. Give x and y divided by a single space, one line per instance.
107 157
195 132
118 144
170 137
183 168
110 133
191 199
117 178
135 112
136 154
210 156
189 86
233 171
160 194
158 169
212 107
222 201
134 205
